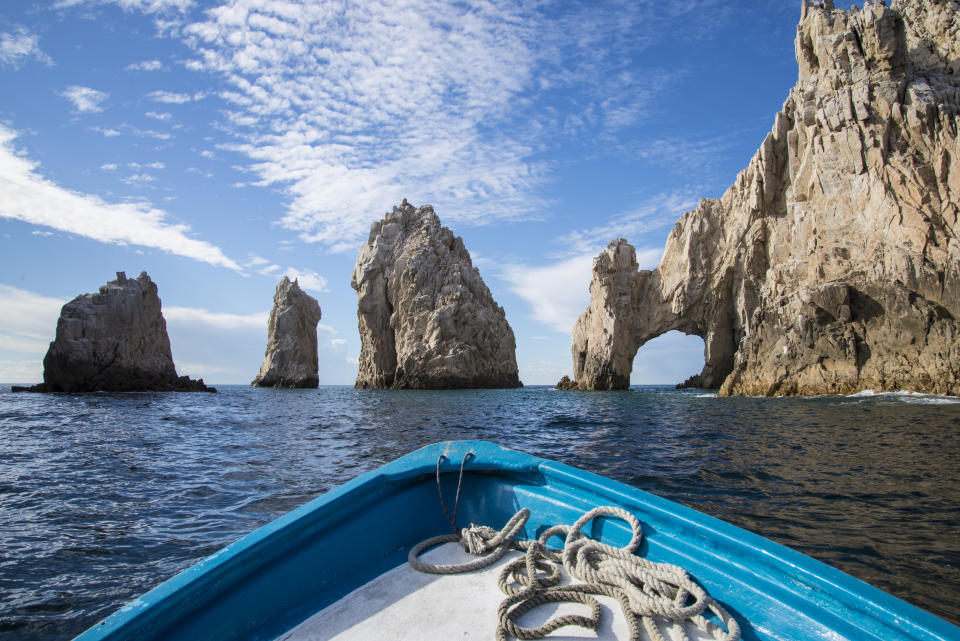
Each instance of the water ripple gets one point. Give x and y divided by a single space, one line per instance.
103 496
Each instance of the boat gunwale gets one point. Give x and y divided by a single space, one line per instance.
257 549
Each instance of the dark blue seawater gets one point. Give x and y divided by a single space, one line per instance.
103 496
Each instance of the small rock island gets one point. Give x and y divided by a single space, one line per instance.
290 359
832 264
427 320
114 341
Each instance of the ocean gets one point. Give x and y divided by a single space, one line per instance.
103 496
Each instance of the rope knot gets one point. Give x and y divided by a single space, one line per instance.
474 539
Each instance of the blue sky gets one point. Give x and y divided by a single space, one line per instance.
221 145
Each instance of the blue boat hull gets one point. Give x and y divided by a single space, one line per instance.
279 575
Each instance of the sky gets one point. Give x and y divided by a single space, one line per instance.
219 146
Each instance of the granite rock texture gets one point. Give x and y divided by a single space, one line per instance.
290 359
116 341
427 320
832 264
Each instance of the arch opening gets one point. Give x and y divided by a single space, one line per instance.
668 359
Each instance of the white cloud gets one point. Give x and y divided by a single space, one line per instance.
109 166
28 323
30 197
146 6
19 45
85 99
107 132
21 371
125 128
376 102
146 65
159 116
350 107
557 293
173 98
335 343
219 320
657 212
307 279
138 180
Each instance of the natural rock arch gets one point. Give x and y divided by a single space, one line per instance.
629 307
832 264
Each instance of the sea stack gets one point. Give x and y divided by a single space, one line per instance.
114 341
290 359
427 319
832 264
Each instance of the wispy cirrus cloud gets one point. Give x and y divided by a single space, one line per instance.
353 106
219 320
128 129
174 98
30 197
146 65
654 213
20 45
146 6
85 99
308 279
350 107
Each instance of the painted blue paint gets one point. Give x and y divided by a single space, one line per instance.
279 575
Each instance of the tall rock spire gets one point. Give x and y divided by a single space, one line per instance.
426 318
290 359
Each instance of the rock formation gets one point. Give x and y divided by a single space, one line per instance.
426 318
832 264
115 341
290 359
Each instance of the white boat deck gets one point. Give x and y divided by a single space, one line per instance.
406 605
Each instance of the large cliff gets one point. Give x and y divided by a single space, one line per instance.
116 341
290 359
427 319
832 264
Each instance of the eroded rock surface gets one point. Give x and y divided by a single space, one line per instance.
290 359
427 320
832 265
116 341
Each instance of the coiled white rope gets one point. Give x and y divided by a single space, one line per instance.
650 594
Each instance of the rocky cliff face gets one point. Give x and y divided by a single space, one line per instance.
832 264
290 359
115 340
426 318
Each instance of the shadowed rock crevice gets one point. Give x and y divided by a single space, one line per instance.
832 264
426 318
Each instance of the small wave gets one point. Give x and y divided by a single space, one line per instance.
711 395
907 396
